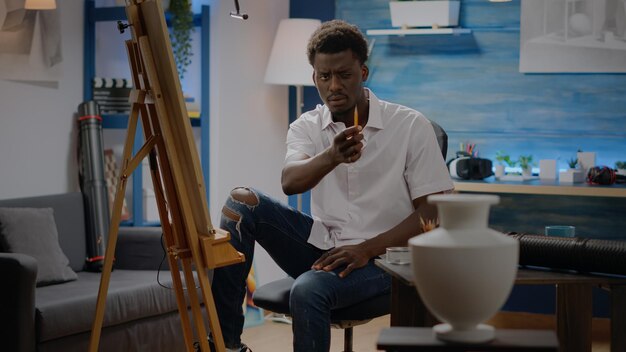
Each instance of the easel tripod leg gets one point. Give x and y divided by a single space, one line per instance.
165 221
116 217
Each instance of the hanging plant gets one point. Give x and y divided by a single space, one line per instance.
180 34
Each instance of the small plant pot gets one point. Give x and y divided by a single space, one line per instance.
499 171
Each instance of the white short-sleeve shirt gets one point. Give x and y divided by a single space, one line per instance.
401 161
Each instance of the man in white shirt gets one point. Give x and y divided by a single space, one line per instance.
369 164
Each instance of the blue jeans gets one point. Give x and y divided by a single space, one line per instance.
283 232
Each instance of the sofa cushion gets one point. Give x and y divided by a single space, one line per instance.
70 219
33 231
67 309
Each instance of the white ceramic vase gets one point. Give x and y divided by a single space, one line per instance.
463 270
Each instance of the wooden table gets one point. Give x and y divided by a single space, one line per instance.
544 187
399 339
573 303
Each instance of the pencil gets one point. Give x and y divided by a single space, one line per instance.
356 116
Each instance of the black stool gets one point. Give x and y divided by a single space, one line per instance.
274 297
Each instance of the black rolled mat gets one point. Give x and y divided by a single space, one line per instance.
581 254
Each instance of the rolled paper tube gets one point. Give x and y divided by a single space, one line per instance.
581 254
356 116
93 183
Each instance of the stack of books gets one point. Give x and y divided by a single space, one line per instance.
193 109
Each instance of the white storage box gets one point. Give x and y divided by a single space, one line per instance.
586 160
430 13
547 169
571 176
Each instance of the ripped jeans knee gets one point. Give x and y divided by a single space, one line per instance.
241 203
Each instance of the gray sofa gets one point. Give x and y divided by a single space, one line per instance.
140 315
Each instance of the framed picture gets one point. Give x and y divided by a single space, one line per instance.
573 36
30 43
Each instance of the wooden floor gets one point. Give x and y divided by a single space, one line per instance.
276 337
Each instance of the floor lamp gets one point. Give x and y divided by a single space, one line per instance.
288 63
40 4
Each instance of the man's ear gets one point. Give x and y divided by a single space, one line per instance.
365 72
313 78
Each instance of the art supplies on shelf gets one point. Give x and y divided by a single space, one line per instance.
469 148
193 108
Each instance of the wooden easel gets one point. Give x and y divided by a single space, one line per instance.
191 240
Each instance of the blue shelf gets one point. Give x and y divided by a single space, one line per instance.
103 14
130 223
118 13
120 121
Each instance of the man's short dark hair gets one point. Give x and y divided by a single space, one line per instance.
336 36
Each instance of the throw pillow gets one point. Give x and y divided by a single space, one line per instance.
33 231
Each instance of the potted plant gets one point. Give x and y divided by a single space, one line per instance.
424 13
620 166
526 163
180 34
572 163
574 174
502 159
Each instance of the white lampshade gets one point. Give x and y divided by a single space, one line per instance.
40 4
288 63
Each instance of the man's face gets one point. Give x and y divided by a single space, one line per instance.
338 78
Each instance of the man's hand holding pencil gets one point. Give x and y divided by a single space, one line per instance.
347 145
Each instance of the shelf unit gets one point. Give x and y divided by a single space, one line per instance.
95 14
418 31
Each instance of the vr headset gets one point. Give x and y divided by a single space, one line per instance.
466 167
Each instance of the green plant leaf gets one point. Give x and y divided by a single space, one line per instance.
525 161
